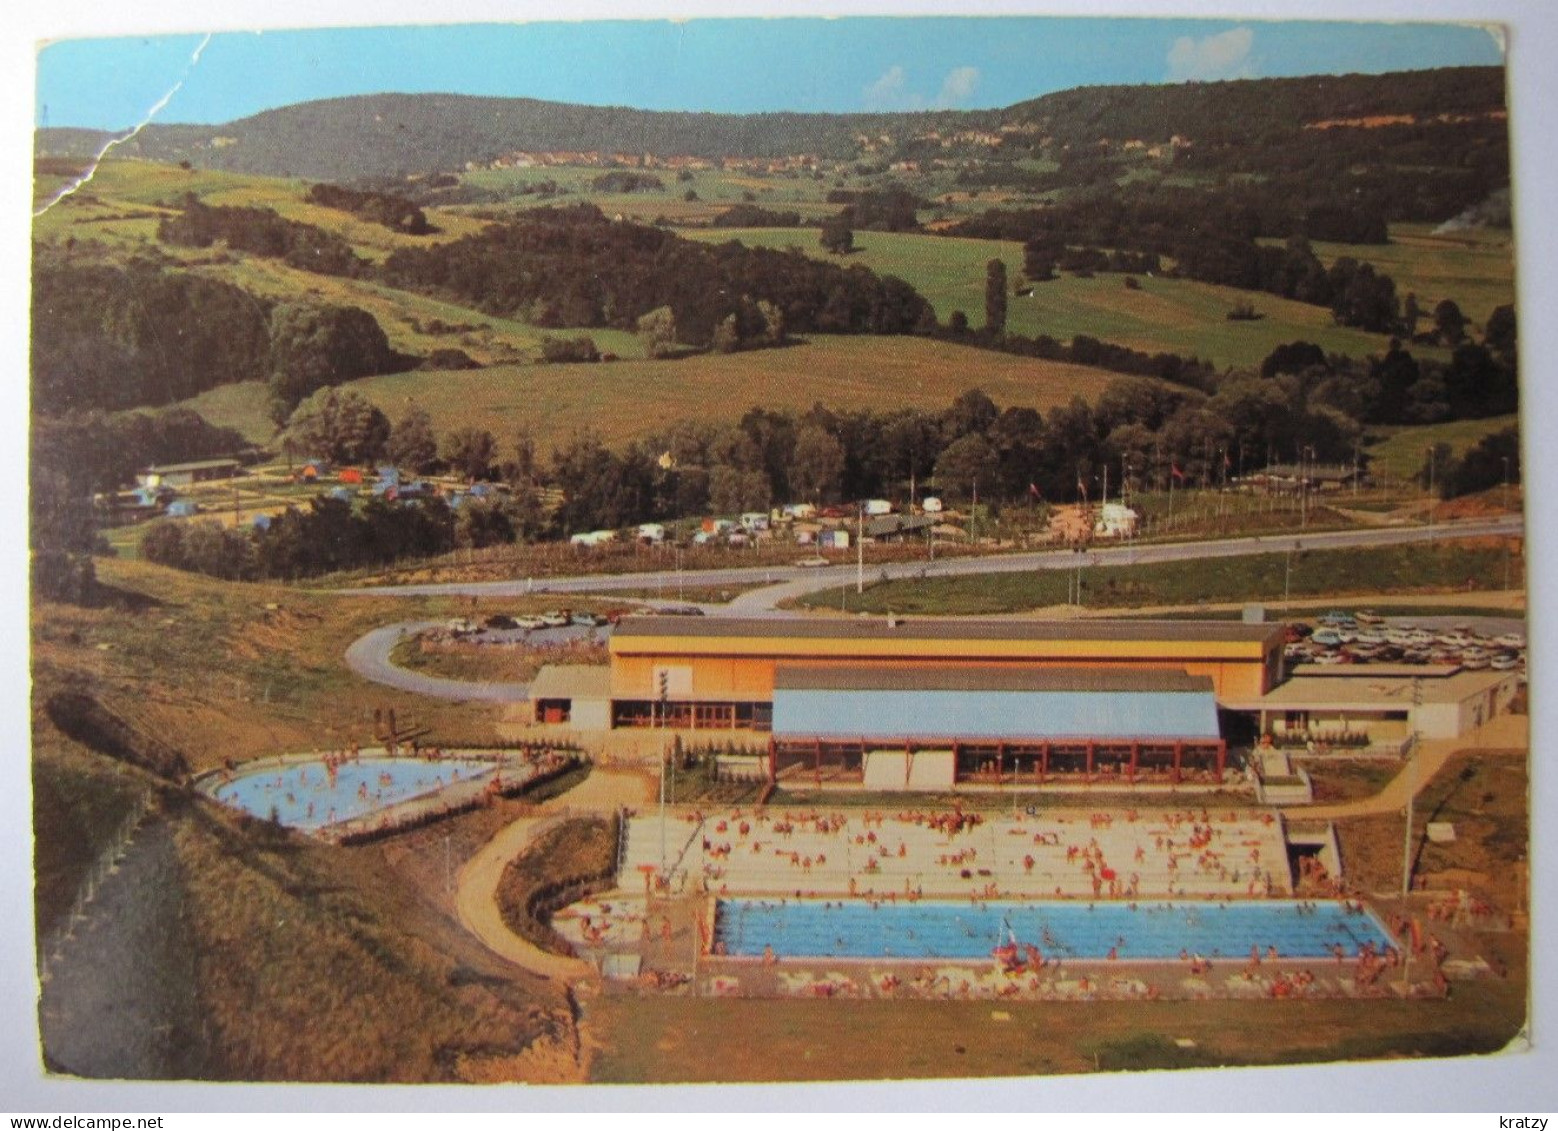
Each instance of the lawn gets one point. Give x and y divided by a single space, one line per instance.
1393 569
676 1040
630 399
1164 315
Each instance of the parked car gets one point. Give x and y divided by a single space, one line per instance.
813 563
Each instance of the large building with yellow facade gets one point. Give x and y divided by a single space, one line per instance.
905 703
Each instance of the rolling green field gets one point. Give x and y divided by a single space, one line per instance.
1164 315
1475 267
629 399
1393 569
123 186
1402 453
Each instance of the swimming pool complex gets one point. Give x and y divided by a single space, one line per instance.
1142 931
302 795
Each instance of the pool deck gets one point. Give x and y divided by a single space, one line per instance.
1191 852
655 945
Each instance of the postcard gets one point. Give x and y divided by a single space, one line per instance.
776 550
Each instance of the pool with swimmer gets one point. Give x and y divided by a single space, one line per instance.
303 795
1140 931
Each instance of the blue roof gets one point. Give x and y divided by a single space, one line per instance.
1048 708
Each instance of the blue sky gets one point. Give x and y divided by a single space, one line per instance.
705 64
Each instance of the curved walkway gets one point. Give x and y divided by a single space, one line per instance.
1505 734
476 888
369 657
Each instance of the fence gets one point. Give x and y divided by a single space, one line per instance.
52 947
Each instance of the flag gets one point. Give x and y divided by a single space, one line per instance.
1033 489
1226 461
1081 488
1175 472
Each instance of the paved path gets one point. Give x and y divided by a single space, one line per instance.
120 1001
1504 734
476 887
369 657
795 581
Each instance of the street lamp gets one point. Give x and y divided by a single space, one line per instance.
1305 461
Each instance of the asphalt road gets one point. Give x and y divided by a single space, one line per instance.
369 657
796 581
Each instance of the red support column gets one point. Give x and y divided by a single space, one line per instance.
1043 762
773 759
954 761
1222 757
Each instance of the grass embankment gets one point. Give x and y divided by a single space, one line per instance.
218 670
1404 453
1485 796
315 963
79 803
491 663
1459 566
565 864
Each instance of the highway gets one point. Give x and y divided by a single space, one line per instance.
796 581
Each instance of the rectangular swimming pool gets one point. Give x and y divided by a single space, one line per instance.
926 929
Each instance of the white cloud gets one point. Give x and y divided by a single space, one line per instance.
1225 55
958 87
890 92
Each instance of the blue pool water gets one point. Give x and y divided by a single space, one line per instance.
302 797
855 929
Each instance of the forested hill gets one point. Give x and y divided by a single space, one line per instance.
1260 110
393 134
390 134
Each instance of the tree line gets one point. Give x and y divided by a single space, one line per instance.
387 209
262 232
1140 431
573 267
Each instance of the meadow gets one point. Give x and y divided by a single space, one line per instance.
629 399
1473 266
1162 315
1403 452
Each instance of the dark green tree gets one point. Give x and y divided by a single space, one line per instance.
995 297
312 346
837 236
340 425
469 451
1449 323
412 443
